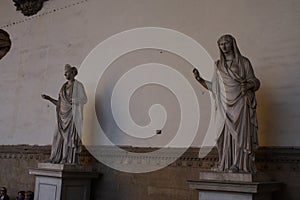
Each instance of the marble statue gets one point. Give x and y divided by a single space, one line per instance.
66 144
233 88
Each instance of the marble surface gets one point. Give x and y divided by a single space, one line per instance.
234 190
65 167
234 186
62 182
224 196
237 177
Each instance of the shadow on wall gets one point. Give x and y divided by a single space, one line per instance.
268 120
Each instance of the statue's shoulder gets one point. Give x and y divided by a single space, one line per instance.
63 85
78 82
79 86
217 63
246 61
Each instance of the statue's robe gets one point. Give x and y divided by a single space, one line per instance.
237 139
67 137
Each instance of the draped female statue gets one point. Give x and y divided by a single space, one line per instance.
233 87
66 144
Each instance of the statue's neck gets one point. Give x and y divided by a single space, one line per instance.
229 56
70 82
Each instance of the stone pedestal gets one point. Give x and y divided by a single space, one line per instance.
234 186
62 181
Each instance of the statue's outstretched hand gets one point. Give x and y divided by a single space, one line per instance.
44 96
199 78
54 101
196 74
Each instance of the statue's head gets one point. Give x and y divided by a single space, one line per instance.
226 37
70 72
225 43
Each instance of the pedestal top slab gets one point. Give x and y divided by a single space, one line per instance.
234 182
243 187
64 171
234 177
64 167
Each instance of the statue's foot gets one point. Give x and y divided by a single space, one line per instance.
233 169
216 169
47 161
63 161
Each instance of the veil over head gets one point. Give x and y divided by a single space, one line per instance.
236 51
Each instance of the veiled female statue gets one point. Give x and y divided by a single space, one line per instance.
233 87
66 144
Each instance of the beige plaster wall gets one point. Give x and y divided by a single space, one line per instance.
267 33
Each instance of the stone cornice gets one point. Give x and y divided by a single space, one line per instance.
267 158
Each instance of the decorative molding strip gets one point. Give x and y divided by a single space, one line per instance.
29 7
267 158
44 13
25 152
